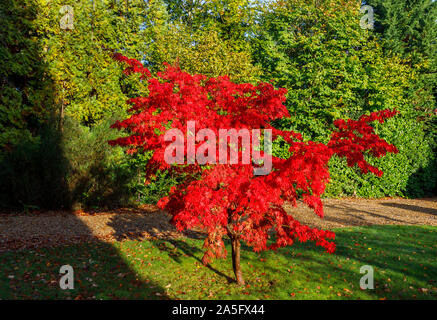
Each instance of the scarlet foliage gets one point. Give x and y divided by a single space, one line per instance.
225 199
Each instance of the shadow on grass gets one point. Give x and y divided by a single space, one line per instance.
431 211
162 233
99 273
33 170
355 220
316 265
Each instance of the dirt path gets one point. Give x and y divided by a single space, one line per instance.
52 228
358 212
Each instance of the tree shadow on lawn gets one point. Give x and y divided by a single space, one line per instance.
430 211
314 264
347 208
99 273
33 171
162 233
151 223
308 272
33 175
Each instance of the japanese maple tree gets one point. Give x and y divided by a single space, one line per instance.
229 199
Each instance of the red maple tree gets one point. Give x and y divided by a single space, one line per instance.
229 199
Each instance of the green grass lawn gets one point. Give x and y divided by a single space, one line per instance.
403 257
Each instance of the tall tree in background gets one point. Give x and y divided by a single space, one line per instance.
157 29
409 28
235 17
32 164
87 80
25 86
192 35
204 52
332 68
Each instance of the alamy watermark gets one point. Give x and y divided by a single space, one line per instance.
227 140
367 21
67 280
67 20
366 281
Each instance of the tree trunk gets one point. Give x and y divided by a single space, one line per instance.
236 260
62 109
61 116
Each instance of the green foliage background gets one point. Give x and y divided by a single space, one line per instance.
60 89
334 69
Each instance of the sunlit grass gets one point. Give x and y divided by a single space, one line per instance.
403 258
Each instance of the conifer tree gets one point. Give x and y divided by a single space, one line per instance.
87 80
409 28
25 87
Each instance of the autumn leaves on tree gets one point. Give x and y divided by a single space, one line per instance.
229 199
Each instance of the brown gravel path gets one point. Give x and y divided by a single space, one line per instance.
55 228
52 228
360 212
